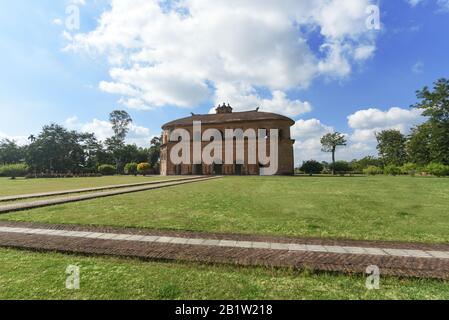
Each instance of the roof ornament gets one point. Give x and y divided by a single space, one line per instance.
257 109
224 108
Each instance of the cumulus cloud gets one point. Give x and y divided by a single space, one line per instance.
414 3
307 134
361 139
375 118
20 140
187 52
366 123
442 4
141 136
243 97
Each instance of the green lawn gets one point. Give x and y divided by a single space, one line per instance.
375 208
24 186
28 275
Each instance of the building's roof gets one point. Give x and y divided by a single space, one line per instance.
227 118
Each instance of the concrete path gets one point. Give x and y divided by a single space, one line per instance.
394 259
51 202
65 192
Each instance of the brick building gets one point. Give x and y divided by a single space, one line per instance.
223 119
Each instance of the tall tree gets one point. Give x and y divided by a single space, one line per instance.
330 142
419 145
435 105
155 152
120 121
391 147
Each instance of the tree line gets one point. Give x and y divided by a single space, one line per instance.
58 151
425 149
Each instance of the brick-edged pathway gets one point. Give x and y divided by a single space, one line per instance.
51 202
65 192
397 259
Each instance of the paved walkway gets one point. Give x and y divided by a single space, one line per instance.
398 259
65 192
51 202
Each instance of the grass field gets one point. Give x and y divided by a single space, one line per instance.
28 275
374 208
24 186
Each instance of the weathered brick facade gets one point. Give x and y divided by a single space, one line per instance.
224 119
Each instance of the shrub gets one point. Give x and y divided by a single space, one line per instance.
410 169
372 170
14 170
144 168
340 167
131 168
107 169
437 169
312 167
392 170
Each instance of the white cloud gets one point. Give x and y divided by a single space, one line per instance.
79 2
375 118
183 53
57 22
243 97
418 68
366 123
141 136
443 4
307 134
364 52
414 3
361 140
20 140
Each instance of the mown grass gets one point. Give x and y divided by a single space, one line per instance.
28 275
18 186
372 208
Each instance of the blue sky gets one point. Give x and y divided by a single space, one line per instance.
47 76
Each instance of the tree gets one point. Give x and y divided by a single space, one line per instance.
359 165
58 150
341 167
391 147
312 167
144 168
435 105
330 142
419 145
155 152
120 121
10 152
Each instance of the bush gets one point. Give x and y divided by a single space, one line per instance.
107 170
144 168
131 168
392 170
372 170
312 167
14 170
410 169
437 169
340 167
